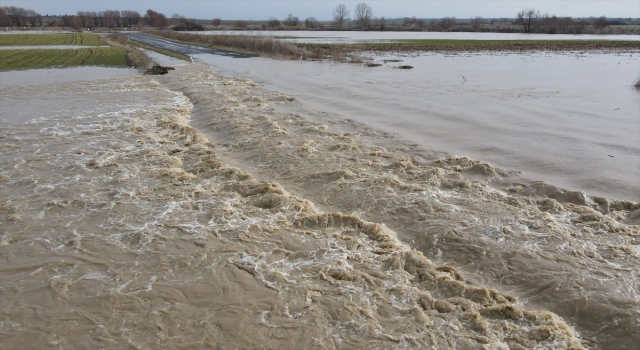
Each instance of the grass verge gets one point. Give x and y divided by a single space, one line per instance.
244 44
134 56
259 45
51 39
45 58
158 50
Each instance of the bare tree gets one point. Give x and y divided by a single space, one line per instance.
273 23
17 15
552 24
600 23
528 18
156 19
311 22
240 24
340 14
578 26
412 22
476 23
447 23
29 16
70 21
85 20
131 18
177 18
111 18
408 21
564 24
216 22
291 21
363 14
379 23
97 18
5 21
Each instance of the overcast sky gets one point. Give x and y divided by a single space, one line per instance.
321 9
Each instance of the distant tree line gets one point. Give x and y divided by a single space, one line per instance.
527 20
15 16
114 19
109 19
11 16
532 21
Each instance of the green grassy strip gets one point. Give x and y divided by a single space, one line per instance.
80 39
479 45
44 58
77 59
115 57
26 59
160 51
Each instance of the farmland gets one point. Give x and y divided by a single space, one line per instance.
45 58
78 39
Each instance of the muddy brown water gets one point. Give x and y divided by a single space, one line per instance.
196 210
570 119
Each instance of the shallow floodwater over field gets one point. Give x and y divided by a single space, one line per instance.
570 119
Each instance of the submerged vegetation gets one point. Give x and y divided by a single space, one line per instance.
51 39
437 45
46 58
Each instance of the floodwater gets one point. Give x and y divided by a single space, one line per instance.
370 36
47 75
570 119
203 210
34 105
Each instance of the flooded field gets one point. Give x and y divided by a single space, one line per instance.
570 119
203 209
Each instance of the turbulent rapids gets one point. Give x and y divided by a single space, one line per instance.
195 210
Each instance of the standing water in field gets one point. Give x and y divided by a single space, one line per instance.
570 119
198 210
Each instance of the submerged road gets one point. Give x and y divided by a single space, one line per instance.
180 48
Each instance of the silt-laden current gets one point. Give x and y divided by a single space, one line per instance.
195 210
